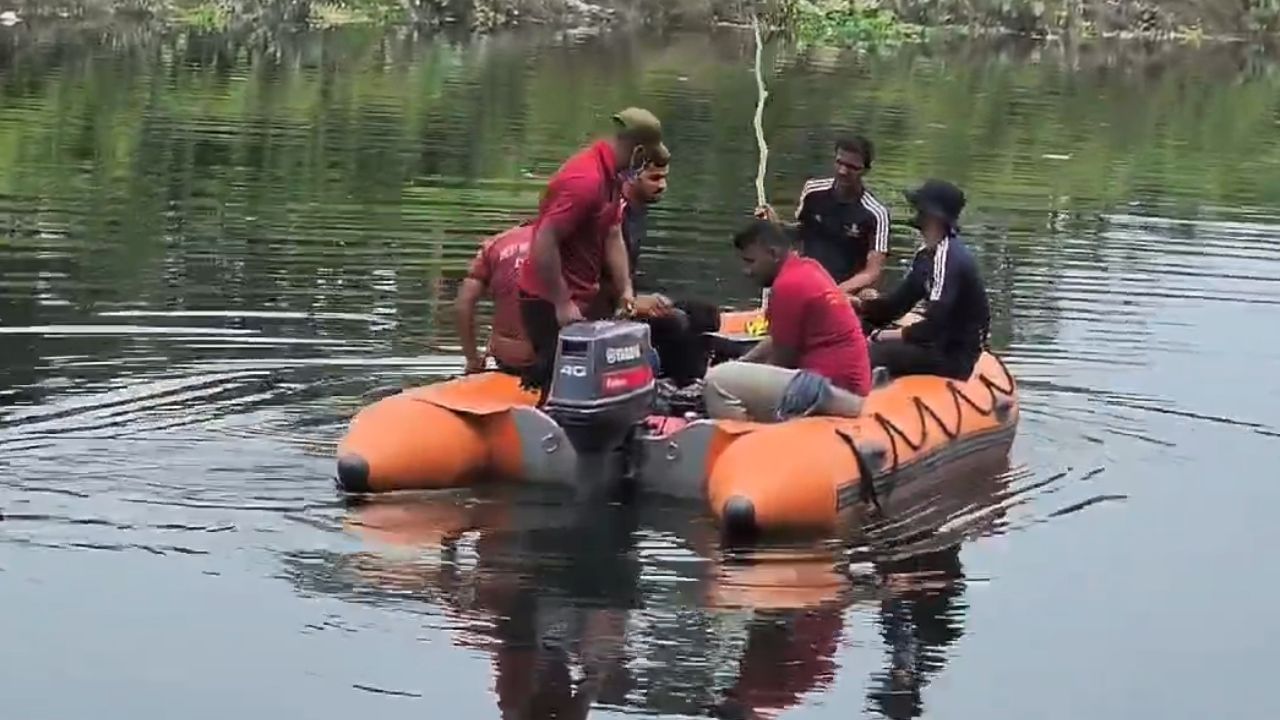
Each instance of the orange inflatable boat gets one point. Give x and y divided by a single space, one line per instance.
467 429
597 431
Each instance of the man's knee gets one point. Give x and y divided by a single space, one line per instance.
900 358
721 393
842 403
887 353
724 374
743 380
703 316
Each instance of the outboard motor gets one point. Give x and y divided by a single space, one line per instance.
603 387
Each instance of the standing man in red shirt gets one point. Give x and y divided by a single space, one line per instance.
495 272
578 234
813 330
495 269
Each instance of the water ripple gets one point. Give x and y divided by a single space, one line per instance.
214 250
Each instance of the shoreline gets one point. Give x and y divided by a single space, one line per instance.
580 17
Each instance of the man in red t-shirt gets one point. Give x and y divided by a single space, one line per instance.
812 328
494 270
578 234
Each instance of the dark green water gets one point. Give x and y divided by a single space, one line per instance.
216 249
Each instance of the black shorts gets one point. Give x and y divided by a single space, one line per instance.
683 349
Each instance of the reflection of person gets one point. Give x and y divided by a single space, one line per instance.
919 617
533 659
788 653
543 599
568 592
918 581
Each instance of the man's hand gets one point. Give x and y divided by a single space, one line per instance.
655 305
860 298
766 212
888 334
474 365
626 304
761 353
568 313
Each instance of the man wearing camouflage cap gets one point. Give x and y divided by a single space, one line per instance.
578 234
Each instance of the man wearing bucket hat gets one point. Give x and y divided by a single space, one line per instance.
577 236
945 274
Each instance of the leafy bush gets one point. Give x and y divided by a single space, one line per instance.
847 22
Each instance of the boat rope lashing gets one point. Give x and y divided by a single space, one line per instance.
867 481
993 389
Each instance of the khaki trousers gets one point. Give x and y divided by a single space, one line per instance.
738 390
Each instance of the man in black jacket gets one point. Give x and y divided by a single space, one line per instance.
957 317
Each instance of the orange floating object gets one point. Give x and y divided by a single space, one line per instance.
810 474
743 322
438 436
457 432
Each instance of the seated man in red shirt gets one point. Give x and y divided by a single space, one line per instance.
494 270
578 234
813 330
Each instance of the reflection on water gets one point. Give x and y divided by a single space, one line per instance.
636 606
215 249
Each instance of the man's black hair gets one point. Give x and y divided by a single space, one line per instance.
659 158
859 146
762 231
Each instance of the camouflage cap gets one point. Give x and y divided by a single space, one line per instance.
639 125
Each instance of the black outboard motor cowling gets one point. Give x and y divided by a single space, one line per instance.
604 386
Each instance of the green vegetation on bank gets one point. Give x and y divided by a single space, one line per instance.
840 22
860 22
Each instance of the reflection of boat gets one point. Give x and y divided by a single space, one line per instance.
807 474
657 615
